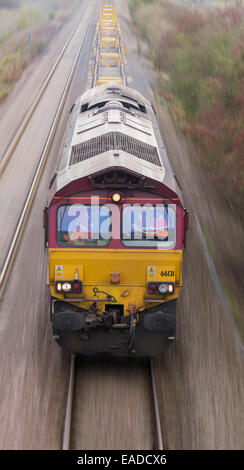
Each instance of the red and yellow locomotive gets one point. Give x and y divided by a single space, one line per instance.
116 228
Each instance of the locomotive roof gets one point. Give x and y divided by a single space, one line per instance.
113 126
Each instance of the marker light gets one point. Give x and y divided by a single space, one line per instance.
153 287
163 288
171 287
66 286
116 197
59 286
76 287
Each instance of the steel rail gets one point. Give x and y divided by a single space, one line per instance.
16 138
122 64
69 406
37 175
96 63
156 408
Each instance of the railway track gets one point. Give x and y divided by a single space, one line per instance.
74 395
45 151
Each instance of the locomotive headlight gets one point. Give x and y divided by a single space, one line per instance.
116 197
66 286
171 288
163 288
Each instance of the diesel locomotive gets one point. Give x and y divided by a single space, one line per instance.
115 224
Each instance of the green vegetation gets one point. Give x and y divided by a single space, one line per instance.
135 4
201 54
11 67
28 16
32 26
5 37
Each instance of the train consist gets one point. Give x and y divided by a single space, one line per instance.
115 225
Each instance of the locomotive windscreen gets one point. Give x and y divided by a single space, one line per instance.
137 225
82 225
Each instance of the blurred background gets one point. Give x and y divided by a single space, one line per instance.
188 58
26 28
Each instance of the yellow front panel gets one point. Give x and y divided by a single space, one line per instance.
136 268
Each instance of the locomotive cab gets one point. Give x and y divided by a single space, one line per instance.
115 267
